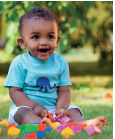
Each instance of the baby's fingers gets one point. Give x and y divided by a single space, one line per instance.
42 114
66 113
57 112
60 115
46 113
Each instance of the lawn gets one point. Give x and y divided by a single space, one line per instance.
87 92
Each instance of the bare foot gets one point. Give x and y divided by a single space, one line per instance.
99 121
46 121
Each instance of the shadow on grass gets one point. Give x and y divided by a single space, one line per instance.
4 68
80 85
90 68
77 68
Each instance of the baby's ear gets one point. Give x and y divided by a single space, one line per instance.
58 39
20 41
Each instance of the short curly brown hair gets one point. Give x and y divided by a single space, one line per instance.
36 11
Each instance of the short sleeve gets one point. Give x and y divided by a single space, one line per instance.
15 75
64 78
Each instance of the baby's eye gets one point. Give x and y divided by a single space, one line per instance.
35 37
50 37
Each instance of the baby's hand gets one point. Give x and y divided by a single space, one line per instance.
61 112
41 111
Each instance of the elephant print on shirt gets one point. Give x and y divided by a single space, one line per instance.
43 82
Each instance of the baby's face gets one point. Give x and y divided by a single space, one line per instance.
41 37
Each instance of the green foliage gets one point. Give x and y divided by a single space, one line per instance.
88 4
94 19
2 8
11 37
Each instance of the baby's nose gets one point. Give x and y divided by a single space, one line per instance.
43 42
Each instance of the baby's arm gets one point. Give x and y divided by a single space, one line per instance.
21 99
63 100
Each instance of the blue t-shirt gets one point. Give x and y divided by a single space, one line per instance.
39 79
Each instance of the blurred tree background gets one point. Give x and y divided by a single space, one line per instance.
81 23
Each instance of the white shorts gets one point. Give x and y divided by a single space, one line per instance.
52 109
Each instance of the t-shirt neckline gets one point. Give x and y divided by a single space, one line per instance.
34 59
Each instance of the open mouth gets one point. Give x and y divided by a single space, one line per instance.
43 50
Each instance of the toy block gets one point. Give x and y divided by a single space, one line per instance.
36 123
61 127
54 125
76 129
97 130
83 125
9 126
108 95
31 136
42 127
4 123
67 129
41 134
51 117
67 132
28 133
56 119
86 127
48 128
63 119
13 131
0 131
3 119
22 128
50 114
72 124
31 128
92 130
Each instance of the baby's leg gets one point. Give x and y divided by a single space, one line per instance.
75 116
25 116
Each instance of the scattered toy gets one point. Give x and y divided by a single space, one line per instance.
63 119
92 130
31 136
4 123
54 125
0 131
108 95
9 126
13 131
67 132
37 130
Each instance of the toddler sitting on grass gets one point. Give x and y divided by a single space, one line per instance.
39 81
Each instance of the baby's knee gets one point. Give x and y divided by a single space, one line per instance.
74 111
21 114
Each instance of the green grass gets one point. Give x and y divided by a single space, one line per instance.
87 92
